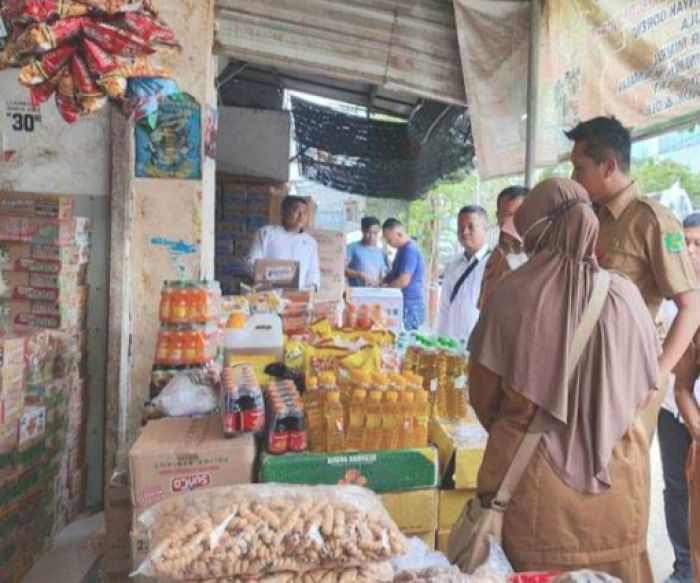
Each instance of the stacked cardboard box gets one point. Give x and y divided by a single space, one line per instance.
461 447
244 206
35 478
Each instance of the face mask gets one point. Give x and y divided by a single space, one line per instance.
516 260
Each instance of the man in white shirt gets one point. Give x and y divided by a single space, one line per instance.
675 439
289 242
461 286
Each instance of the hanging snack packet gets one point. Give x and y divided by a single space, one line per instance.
43 37
40 94
42 10
90 97
118 43
143 67
148 27
114 6
45 68
105 70
66 97
10 56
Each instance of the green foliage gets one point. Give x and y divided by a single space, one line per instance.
654 175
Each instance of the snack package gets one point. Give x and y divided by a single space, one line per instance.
372 573
90 97
43 37
367 360
115 41
40 94
294 355
254 530
114 6
66 97
147 26
47 67
143 67
323 357
105 70
42 10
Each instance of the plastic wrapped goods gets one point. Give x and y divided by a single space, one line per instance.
255 530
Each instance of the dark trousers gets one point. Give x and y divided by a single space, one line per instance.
675 442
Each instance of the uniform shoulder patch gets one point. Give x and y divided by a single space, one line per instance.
675 242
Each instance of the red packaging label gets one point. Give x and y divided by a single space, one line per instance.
229 425
189 483
297 441
278 442
253 421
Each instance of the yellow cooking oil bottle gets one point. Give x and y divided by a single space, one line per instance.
390 421
421 419
335 422
315 418
406 400
372 439
355 428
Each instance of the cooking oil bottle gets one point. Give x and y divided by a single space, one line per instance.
421 419
406 400
390 421
334 422
315 418
372 438
355 427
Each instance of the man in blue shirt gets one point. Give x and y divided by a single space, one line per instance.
367 264
407 273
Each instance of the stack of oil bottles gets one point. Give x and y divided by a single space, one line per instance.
366 412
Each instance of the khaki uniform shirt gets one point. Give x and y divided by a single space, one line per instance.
643 240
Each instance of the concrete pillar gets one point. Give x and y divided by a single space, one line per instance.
146 209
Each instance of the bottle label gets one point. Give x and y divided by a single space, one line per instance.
297 441
434 385
229 425
278 442
254 421
461 383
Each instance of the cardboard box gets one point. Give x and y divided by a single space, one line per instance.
381 471
391 301
331 256
461 448
173 456
443 536
12 349
276 273
43 287
413 511
32 424
36 205
64 255
39 231
452 503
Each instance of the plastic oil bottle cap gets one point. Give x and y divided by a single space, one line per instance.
407 396
375 396
423 396
236 321
392 396
359 394
312 383
334 397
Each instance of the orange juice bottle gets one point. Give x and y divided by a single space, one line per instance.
372 438
163 347
406 419
390 421
335 424
179 309
355 427
204 302
166 297
177 349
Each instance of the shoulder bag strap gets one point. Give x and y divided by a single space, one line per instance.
464 276
532 438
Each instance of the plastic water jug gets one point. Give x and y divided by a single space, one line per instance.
258 342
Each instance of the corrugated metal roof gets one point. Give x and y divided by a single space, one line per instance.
406 46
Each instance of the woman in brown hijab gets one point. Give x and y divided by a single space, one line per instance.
583 501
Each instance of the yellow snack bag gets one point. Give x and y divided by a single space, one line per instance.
322 357
294 354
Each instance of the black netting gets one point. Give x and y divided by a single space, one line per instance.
383 158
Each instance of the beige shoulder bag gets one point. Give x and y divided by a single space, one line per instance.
469 543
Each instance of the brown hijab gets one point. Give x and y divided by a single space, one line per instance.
526 331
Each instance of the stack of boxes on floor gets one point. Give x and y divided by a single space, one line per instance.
461 448
243 206
43 384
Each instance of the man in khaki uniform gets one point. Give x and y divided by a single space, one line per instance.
638 236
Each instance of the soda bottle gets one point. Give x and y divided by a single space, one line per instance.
165 303
390 421
335 425
372 438
356 420
406 419
421 419
297 429
230 409
252 408
278 437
